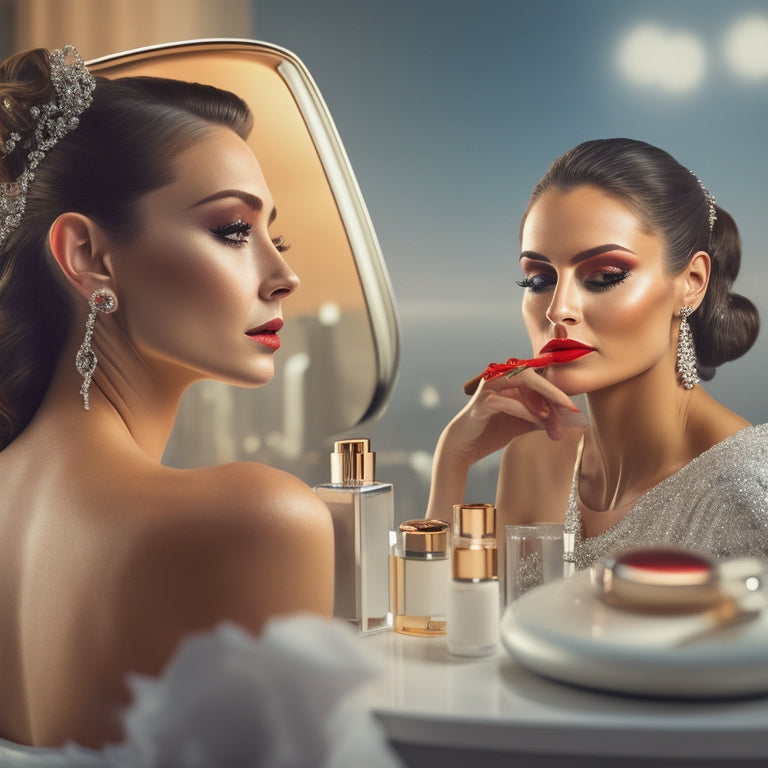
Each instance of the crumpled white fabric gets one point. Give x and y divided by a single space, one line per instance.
288 699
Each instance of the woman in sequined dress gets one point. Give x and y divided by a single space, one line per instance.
625 255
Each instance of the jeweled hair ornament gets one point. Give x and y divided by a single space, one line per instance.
73 85
711 202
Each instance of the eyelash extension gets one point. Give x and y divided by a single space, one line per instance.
280 244
539 283
241 229
532 284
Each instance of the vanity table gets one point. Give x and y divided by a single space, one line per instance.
442 711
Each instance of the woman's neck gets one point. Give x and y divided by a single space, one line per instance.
639 434
126 402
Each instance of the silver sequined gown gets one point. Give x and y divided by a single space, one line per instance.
717 503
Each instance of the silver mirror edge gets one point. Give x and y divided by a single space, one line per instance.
371 268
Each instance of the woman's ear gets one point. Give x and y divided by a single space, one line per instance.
79 246
694 280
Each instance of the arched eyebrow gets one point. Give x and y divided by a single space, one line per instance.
253 202
581 256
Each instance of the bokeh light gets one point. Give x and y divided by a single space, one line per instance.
746 47
654 57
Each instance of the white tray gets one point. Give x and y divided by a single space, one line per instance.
563 631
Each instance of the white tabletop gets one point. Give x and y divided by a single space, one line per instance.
429 700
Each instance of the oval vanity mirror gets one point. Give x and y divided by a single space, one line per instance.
339 355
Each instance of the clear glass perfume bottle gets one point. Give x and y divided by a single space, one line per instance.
362 510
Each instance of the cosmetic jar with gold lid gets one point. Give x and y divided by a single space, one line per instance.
419 574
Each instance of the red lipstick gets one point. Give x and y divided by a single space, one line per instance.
554 352
562 345
266 334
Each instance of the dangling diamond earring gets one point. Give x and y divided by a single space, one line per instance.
104 301
686 352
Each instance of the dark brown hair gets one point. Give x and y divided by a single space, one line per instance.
123 148
670 200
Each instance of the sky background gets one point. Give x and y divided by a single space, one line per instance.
451 111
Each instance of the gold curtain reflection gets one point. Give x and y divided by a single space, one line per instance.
101 27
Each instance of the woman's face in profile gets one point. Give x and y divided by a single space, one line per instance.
201 286
595 274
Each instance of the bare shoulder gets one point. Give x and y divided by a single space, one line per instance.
240 542
255 503
535 476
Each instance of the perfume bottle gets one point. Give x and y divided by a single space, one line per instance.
473 594
419 574
362 510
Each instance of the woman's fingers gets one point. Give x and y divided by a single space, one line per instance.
530 397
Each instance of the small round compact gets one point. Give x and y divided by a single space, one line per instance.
661 579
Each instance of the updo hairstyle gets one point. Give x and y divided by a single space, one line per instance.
670 200
123 148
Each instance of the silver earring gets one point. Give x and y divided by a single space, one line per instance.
686 352
104 301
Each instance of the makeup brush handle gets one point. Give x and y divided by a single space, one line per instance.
470 387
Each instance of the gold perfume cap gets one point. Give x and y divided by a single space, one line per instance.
474 563
474 521
425 536
352 462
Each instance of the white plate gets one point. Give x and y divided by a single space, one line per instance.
564 631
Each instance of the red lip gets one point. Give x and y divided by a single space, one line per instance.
556 345
266 334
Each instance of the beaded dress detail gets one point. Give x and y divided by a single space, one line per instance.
718 503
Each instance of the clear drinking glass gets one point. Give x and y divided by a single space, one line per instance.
534 555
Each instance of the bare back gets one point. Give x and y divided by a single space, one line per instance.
108 560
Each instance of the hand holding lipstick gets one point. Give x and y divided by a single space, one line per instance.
502 408
556 351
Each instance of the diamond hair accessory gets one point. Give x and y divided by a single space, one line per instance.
74 86
711 201
686 352
104 301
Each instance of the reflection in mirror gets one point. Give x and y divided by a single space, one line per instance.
338 361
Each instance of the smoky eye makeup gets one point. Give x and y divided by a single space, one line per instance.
234 233
606 271
607 278
597 273
538 276
536 283
237 233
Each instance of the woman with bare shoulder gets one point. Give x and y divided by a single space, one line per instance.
137 256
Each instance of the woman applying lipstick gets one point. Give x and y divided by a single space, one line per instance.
625 257
138 254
